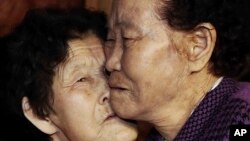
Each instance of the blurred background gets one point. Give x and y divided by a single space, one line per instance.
13 11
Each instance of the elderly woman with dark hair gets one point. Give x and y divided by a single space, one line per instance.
54 78
171 64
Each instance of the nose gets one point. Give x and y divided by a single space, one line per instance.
114 60
114 54
104 98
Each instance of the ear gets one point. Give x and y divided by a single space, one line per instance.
45 125
202 42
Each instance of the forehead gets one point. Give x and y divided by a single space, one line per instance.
123 10
131 12
84 53
85 56
88 45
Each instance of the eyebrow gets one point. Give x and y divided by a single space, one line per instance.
130 26
127 25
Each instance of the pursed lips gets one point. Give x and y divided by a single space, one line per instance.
115 83
116 86
110 116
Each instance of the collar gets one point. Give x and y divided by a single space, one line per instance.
203 114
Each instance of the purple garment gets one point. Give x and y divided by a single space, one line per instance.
228 104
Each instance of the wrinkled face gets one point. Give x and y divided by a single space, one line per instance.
81 96
145 64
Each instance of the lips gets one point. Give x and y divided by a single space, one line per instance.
110 116
117 87
116 84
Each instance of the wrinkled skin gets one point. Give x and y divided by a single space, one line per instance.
81 96
157 74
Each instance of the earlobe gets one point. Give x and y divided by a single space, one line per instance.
43 124
203 39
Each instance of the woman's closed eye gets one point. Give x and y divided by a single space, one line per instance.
81 82
82 79
128 41
127 38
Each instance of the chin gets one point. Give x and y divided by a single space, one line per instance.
126 134
125 113
122 131
121 109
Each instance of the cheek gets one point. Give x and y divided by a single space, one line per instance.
151 67
133 63
143 60
78 116
75 106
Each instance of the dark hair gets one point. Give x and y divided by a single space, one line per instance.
33 50
229 17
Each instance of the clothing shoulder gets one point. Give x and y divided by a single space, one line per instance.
233 110
243 91
239 103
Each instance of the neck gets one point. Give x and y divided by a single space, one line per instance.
169 118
